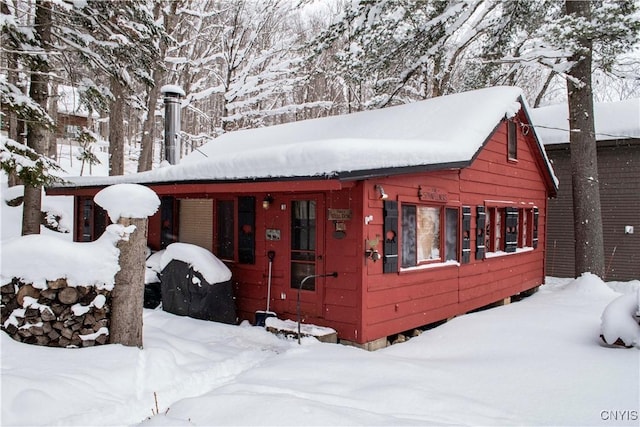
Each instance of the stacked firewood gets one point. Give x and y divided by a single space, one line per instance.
57 316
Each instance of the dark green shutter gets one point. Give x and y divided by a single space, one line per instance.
390 260
168 233
246 230
511 230
466 234
480 224
535 227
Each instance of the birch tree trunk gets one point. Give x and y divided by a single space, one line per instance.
589 245
128 293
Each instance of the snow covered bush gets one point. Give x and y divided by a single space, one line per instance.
620 321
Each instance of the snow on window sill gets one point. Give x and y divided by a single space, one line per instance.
503 253
429 266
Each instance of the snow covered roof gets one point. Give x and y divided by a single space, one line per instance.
437 133
614 120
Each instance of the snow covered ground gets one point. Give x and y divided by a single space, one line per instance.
538 361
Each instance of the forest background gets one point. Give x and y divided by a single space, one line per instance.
246 63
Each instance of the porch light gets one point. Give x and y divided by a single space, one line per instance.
381 194
266 202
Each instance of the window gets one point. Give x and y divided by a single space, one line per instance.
493 230
92 220
303 243
524 225
451 235
225 227
422 234
512 141
71 131
525 228
509 228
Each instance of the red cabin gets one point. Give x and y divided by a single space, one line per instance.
425 211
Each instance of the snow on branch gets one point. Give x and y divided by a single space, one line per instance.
32 168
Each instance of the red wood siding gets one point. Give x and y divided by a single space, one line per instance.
364 303
341 298
417 296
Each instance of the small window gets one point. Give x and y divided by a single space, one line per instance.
526 221
512 141
494 233
509 228
420 234
71 131
92 220
451 235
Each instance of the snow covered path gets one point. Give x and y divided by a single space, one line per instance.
534 362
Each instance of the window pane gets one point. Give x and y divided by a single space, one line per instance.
428 227
298 272
409 257
303 225
87 220
512 141
451 238
303 243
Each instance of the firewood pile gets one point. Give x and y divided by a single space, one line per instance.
58 316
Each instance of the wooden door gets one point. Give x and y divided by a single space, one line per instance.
306 255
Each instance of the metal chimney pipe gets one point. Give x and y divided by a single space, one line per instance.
172 95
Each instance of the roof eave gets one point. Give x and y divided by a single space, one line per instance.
382 172
330 181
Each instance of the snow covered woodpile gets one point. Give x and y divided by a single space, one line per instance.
57 316
57 293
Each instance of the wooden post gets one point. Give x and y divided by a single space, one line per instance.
128 292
